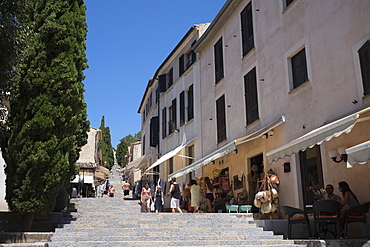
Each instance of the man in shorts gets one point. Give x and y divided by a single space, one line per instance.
126 189
175 192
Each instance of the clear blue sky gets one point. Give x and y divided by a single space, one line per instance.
127 41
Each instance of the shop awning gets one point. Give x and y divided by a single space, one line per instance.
260 132
205 160
315 137
169 155
134 164
86 179
358 154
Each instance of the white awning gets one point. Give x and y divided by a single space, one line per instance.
86 179
315 137
134 164
169 155
358 154
205 160
260 132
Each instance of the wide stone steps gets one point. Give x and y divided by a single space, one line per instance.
117 222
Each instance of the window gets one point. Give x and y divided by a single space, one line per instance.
182 108
172 117
219 63
170 78
170 165
288 2
190 153
190 103
181 65
299 68
364 54
143 148
191 57
247 29
164 122
154 131
251 96
157 95
221 119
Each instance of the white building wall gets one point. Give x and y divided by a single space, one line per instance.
3 203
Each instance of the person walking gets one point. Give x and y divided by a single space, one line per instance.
159 202
195 195
175 193
146 198
111 191
126 189
209 194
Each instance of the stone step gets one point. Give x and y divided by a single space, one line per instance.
36 244
175 243
185 238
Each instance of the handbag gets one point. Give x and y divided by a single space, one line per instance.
152 208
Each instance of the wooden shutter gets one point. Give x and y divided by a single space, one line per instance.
247 29
170 77
164 122
162 83
364 54
181 65
174 116
154 131
219 66
221 119
182 108
251 96
190 103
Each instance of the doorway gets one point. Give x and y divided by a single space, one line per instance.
311 174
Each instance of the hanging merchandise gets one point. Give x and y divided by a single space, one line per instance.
267 196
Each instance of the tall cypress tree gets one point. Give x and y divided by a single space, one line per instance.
47 123
105 145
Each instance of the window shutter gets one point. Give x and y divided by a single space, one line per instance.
190 103
247 29
162 83
170 77
364 54
193 56
219 67
181 65
164 122
182 108
174 116
251 96
154 131
221 119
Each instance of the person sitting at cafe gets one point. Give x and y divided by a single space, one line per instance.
329 195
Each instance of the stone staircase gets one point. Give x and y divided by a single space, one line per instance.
117 222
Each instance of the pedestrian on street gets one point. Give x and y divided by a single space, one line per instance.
159 201
126 189
175 193
111 191
146 198
195 195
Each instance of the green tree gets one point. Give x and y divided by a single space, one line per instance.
122 147
47 123
105 145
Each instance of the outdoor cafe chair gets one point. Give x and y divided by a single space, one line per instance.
300 218
326 212
359 216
